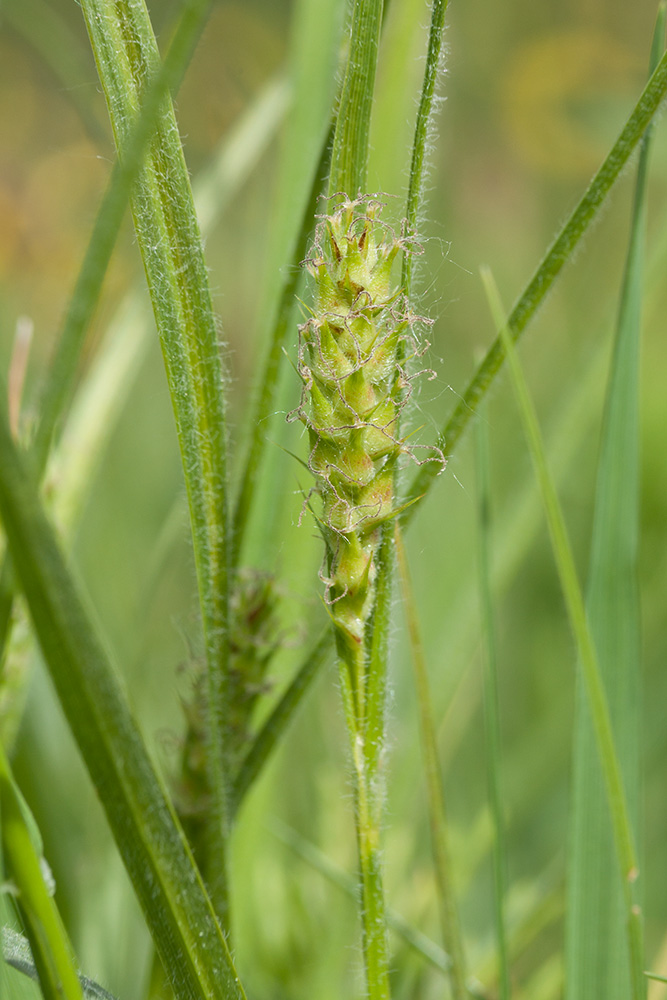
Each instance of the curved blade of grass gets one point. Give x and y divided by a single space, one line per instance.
168 885
449 918
558 254
274 727
168 235
492 708
17 953
51 949
349 158
616 797
596 954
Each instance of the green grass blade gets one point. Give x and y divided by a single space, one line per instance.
168 235
16 952
424 116
558 254
51 949
449 918
168 885
276 725
492 708
588 658
349 158
596 955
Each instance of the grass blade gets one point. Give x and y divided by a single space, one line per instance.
168 885
168 235
595 691
492 708
596 955
557 256
449 918
51 949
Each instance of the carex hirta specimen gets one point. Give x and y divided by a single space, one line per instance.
351 361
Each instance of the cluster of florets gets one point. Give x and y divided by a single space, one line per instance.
354 388
254 639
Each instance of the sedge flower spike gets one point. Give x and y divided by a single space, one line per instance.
354 386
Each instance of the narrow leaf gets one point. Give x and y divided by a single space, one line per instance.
597 958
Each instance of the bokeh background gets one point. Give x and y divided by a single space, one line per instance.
534 95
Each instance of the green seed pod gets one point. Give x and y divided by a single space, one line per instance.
354 387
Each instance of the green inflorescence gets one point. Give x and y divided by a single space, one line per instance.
254 639
355 384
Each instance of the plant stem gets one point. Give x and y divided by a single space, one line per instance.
368 806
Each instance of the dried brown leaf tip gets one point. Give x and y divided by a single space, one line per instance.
352 354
